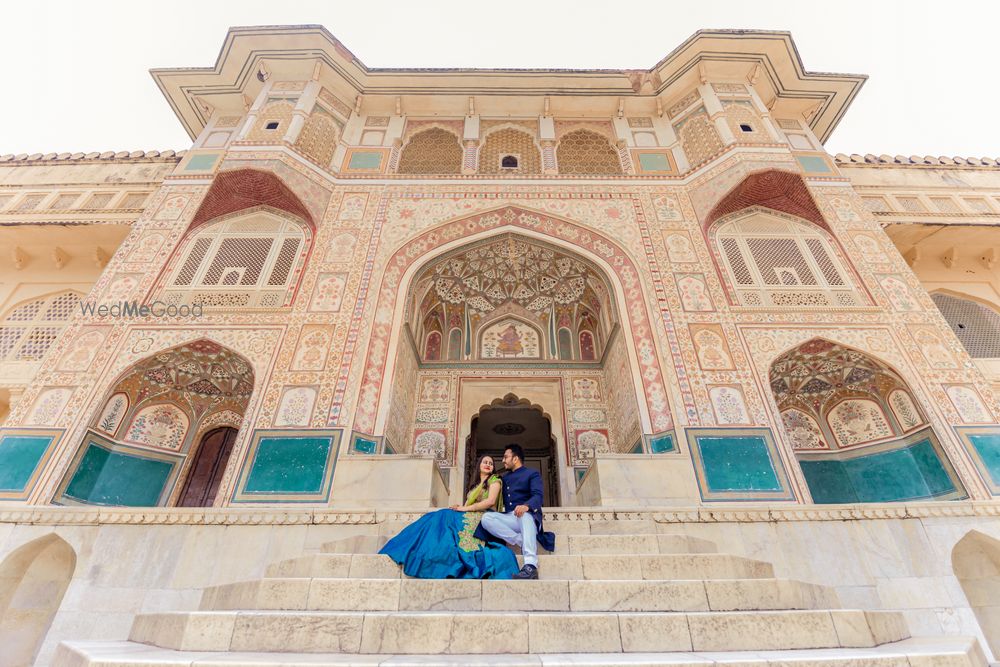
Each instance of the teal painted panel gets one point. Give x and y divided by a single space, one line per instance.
929 463
828 482
636 448
988 447
654 162
105 477
201 162
364 446
886 476
907 473
289 465
661 443
580 473
19 456
365 160
738 463
813 164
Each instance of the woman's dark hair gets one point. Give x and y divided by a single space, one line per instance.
485 483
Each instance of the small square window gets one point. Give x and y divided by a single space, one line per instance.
271 125
508 162
745 127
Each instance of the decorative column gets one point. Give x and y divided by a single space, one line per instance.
716 113
765 115
547 137
255 108
307 100
470 144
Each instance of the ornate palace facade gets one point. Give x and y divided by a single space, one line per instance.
360 279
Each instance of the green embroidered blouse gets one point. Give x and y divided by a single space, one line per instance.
466 541
480 493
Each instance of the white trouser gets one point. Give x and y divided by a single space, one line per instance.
520 532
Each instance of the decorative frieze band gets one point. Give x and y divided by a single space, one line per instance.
65 516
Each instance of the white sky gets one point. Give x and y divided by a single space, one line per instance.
75 75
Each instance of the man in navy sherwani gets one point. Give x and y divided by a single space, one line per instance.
521 523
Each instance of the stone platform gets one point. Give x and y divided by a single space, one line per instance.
756 585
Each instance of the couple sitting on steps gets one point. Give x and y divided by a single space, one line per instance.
464 541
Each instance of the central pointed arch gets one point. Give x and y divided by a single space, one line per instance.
612 258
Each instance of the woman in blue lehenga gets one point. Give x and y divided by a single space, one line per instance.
440 545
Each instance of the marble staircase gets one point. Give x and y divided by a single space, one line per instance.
602 600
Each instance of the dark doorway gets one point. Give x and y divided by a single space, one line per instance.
209 465
514 420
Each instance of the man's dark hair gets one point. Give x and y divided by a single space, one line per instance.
516 450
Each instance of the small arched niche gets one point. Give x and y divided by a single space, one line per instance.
976 563
33 581
165 430
856 428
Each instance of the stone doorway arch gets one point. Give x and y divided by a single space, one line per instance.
510 420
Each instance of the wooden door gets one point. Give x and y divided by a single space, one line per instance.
209 465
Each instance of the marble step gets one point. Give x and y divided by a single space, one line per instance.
591 566
934 652
436 633
551 595
604 544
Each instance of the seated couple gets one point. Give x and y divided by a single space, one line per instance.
463 542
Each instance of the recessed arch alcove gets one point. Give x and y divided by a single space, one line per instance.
165 430
856 428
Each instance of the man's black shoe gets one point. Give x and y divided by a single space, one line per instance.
527 572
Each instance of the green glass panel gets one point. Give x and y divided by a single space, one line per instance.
661 444
105 477
365 160
201 162
19 456
654 162
828 482
886 476
738 463
988 447
365 446
289 465
636 448
908 473
933 471
813 163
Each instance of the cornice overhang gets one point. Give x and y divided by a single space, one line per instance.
768 58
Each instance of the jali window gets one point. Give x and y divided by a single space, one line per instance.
777 262
252 261
29 329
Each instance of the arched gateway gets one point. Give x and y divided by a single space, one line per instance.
511 306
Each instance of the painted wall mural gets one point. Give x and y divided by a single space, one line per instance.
162 426
510 339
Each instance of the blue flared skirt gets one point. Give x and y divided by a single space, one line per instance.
440 545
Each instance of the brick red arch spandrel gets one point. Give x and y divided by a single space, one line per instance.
241 189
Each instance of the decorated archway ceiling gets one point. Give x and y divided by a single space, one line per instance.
512 269
819 371
203 369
